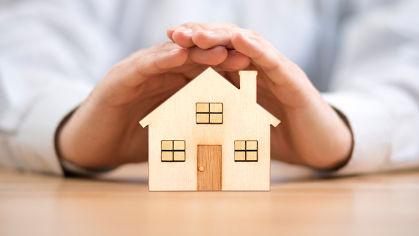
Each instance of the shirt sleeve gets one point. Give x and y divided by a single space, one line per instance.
376 86
52 53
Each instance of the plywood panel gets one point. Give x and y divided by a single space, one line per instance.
202 107
240 156
202 118
243 119
209 167
216 118
179 156
179 145
251 145
166 145
216 107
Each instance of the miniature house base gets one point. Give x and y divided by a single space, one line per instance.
210 136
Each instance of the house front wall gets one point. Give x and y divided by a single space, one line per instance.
242 120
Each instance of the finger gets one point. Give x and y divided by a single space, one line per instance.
183 37
212 56
172 29
137 69
235 61
214 37
182 34
277 67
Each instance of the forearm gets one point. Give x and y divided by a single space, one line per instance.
318 135
97 135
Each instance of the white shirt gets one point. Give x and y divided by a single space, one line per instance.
363 54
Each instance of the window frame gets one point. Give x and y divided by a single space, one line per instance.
173 151
246 151
209 113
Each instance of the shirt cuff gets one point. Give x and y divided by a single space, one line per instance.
36 138
371 124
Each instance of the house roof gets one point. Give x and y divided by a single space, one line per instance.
145 121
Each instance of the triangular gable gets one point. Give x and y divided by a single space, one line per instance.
220 79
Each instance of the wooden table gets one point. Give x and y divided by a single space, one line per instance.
383 204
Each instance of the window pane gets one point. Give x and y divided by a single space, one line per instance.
239 156
239 145
202 107
216 118
166 156
179 156
216 107
251 156
252 145
202 118
166 145
179 145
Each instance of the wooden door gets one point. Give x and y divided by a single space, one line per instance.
209 167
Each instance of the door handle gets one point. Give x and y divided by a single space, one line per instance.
201 168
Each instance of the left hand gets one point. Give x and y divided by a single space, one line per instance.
311 132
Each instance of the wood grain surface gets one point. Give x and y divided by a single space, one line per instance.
382 204
209 159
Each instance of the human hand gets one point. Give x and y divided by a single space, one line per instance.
104 130
311 132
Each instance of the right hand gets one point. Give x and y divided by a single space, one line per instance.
104 130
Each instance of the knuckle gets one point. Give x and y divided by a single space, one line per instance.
195 25
166 45
255 33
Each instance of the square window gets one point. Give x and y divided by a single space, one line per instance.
209 113
179 156
202 107
246 150
239 156
166 156
216 118
172 150
240 145
179 145
166 145
251 145
202 118
216 107
251 155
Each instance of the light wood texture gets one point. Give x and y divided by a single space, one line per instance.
240 156
216 107
36 205
209 166
179 145
240 145
202 107
202 118
166 145
216 118
252 145
242 119
167 156
179 156
251 156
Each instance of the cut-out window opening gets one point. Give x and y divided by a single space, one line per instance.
209 113
172 150
246 150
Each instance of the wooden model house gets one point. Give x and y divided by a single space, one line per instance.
210 136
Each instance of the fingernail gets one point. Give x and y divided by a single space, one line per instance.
177 27
187 31
174 50
245 36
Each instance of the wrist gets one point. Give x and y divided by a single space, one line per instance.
320 136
